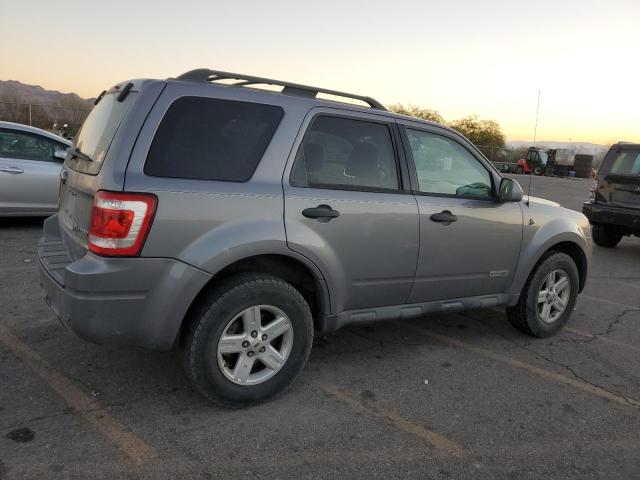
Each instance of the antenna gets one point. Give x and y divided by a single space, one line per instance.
535 129
535 133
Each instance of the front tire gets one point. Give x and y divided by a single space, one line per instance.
548 298
249 340
606 236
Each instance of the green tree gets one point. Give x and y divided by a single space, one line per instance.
415 111
480 132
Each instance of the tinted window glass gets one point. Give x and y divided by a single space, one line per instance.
27 146
625 162
98 130
212 139
445 167
345 153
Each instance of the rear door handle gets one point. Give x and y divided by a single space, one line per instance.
322 213
445 217
12 170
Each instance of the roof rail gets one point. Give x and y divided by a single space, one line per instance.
206 75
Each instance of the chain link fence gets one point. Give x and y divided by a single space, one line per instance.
44 116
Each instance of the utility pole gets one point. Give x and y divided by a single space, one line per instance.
535 129
29 114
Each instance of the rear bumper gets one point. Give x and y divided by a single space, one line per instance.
137 301
620 216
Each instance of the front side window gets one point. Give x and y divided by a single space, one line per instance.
27 146
444 167
348 154
212 139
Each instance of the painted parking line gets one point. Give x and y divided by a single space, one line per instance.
541 372
441 444
139 451
626 284
610 302
602 339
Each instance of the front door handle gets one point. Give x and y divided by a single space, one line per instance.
445 217
12 170
322 213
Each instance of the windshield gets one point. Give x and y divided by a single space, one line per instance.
543 157
97 132
622 162
535 156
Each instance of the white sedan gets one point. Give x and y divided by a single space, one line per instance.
30 162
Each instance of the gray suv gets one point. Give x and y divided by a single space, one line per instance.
233 221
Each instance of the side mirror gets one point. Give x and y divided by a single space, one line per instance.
510 191
60 154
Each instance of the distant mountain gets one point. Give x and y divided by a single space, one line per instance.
23 93
32 104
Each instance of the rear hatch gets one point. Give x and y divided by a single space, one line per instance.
81 175
619 177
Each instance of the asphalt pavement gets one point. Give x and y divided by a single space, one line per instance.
447 396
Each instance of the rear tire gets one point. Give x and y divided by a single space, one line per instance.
528 315
228 336
606 236
538 171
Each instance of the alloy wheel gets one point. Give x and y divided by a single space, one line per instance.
255 345
554 295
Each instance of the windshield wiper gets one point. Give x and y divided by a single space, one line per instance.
75 152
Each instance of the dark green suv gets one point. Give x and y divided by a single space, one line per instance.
614 206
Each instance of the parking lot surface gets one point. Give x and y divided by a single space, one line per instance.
446 396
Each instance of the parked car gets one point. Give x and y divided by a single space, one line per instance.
30 163
234 222
614 205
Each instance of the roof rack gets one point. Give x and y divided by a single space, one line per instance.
206 75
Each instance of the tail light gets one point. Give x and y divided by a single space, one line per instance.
120 223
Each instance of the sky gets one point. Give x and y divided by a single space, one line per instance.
459 57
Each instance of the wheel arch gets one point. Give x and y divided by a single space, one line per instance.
553 234
577 255
303 275
567 246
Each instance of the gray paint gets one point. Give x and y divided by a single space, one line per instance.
29 187
120 300
457 260
552 224
381 258
369 253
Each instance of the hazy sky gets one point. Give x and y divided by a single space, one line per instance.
487 57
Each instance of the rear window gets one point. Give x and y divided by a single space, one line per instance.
212 139
97 132
622 162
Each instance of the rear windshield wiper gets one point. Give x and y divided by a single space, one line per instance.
75 152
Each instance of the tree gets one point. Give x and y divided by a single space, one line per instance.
480 132
12 109
414 111
72 111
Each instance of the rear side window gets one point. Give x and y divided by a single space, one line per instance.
623 162
344 153
212 139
